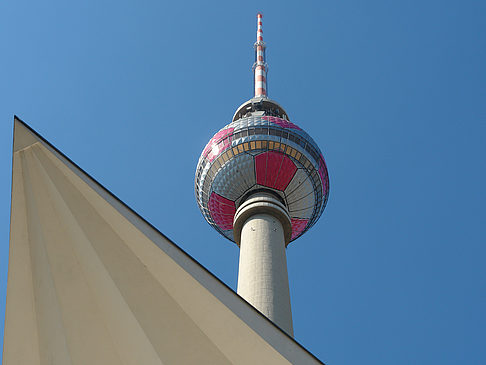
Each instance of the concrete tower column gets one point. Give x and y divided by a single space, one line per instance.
262 229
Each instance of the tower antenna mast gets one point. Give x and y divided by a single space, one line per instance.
260 66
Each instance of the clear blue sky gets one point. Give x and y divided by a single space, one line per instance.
393 92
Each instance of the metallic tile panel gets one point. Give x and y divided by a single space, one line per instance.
298 226
237 178
222 211
274 169
302 196
218 144
301 176
281 122
303 208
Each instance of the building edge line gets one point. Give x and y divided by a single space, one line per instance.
181 250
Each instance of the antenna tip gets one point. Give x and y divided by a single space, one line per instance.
259 15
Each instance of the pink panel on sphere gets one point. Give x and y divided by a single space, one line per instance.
213 149
274 170
222 211
298 225
323 174
261 168
272 162
286 173
282 122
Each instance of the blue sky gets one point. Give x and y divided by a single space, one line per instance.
393 92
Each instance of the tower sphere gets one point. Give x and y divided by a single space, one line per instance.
261 150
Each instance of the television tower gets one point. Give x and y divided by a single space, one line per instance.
261 182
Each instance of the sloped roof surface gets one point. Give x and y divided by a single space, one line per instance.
91 282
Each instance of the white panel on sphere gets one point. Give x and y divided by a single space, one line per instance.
297 182
300 200
91 282
239 176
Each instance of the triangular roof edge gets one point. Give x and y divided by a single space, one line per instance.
82 173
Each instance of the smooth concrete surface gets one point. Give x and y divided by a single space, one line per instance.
262 275
91 282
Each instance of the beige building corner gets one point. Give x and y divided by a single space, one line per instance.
91 282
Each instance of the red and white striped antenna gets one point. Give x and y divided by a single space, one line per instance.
260 66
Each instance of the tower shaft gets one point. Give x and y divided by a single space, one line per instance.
263 225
